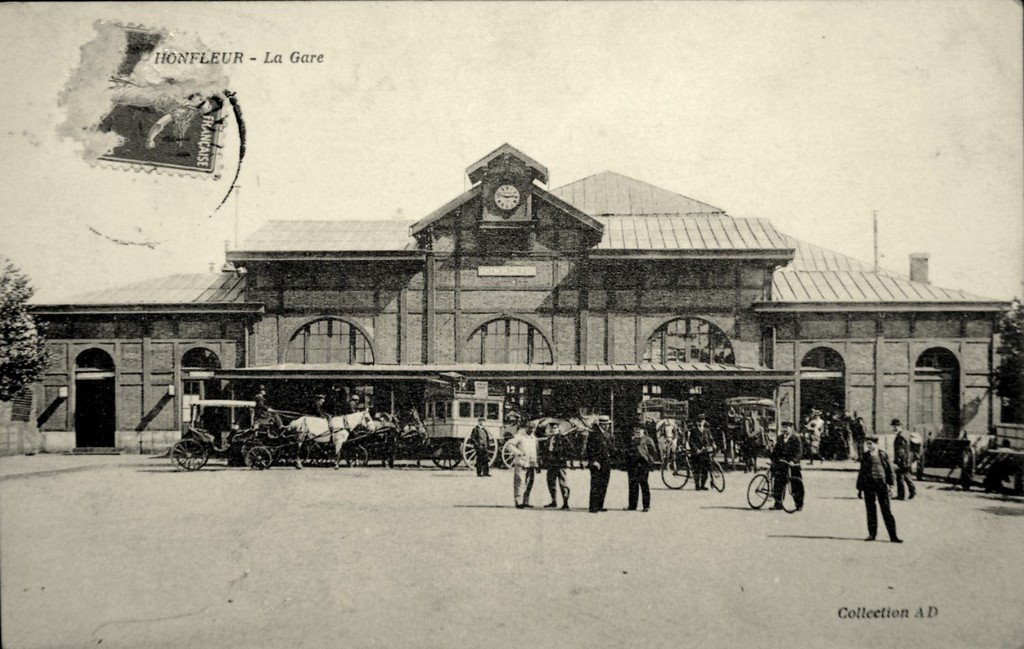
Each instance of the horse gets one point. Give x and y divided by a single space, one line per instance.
575 428
312 429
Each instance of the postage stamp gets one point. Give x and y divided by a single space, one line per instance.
129 105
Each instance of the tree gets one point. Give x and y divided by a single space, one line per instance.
1010 373
22 350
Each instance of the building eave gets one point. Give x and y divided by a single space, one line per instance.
243 256
211 308
880 307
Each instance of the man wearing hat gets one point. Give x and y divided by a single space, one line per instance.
874 480
640 459
557 455
480 438
702 445
598 452
901 458
786 456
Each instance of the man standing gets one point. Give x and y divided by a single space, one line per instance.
481 441
874 479
640 461
815 429
785 464
557 454
702 444
524 447
668 438
598 452
901 458
857 430
262 411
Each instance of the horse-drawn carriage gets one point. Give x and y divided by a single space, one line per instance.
216 428
750 430
451 416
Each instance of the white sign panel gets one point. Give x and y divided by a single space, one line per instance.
506 271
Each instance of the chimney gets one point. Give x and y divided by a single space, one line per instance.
919 267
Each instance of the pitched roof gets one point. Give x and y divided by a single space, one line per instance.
818 276
689 232
350 235
609 193
475 170
182 288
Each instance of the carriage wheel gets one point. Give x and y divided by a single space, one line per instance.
788 502
468 452
717 476
675 473
758 491
259 458
507 454
189 454
357 456
446 462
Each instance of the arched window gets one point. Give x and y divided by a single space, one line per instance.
94 359
507 341
200 358
689 340
936 392
329 340
197 382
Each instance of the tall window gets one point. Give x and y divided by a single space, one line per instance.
329 341
508 341
689 340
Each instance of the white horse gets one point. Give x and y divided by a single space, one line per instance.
317 430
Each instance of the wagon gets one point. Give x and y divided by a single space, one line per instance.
451 416
215 428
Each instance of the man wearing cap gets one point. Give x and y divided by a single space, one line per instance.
702 445
901 458
598 452
481 441
640 461
786 456
874 480
557 455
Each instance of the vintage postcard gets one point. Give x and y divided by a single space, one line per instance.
491 324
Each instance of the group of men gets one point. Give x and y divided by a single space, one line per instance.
697 440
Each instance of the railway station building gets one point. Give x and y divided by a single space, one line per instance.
597 295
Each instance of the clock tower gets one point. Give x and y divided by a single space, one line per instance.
506 176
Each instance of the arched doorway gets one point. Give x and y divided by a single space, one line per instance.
95 419
935 404
197 382
822 382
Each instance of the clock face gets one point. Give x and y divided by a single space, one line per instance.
506 197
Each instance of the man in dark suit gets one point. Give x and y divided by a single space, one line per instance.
481 441
785 464
555 458
874 480
640 460
599 460
901 458
702 445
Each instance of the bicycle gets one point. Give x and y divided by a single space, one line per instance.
675 471
762 487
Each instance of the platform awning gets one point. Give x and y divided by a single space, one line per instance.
591 372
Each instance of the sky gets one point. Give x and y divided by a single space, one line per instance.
811 114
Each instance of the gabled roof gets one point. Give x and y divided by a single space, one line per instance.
475 170
353 235
609 193
690 233
818 276
210 292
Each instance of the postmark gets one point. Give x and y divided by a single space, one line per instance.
132 109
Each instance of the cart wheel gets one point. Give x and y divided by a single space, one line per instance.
468 452
758 491
675 473
189 454
717 476
507 454
447 462
788 503
259 458
357 456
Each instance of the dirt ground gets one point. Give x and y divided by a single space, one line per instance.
126 552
